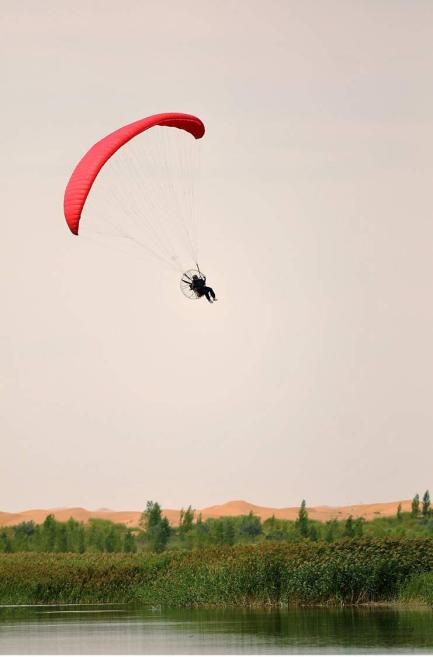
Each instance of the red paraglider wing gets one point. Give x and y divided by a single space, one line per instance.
84 174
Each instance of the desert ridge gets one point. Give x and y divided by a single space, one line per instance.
232 508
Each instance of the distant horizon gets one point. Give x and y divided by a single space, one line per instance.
240 500
208 506
231 508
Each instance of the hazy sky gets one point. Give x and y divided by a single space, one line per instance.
312 377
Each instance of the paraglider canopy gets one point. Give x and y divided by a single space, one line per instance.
86 171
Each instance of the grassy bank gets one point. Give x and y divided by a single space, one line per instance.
348 571
418 588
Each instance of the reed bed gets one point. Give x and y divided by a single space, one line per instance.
345 572
418 588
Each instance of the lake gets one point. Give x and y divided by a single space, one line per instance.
121 629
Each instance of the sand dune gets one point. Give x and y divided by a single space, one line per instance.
233 508
367 511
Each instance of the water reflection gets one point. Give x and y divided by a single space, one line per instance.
118 629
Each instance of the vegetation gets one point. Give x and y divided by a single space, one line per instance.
71 536
415 506
154 533
156 528
221 561
426 504
349 571
418 588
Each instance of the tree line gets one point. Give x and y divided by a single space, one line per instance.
71 536
154 532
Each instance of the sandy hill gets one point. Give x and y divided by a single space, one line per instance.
233 508
367 511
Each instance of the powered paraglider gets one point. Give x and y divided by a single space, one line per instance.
135 187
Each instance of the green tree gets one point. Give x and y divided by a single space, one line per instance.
280 530
250 526
270 526
157 528
129 542
23 536
415 507
186 523
229 531
216 530
201 533
313 533
151 517
26 528
302 523
61 538
49 531
349 529
358 527
331 530
73 529
5 542
426 504
158 535
110 540
96 535
81 540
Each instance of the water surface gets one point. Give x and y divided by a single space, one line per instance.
120 629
